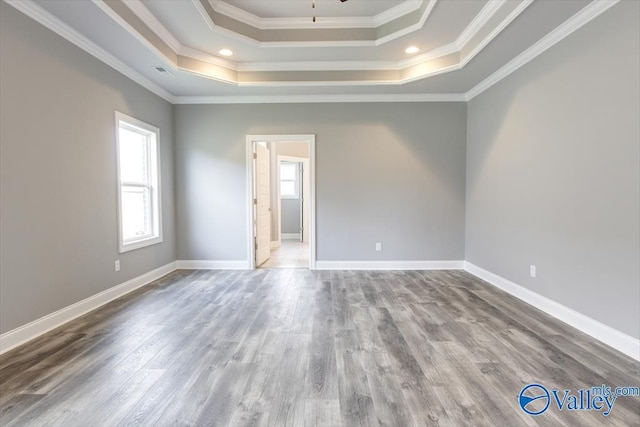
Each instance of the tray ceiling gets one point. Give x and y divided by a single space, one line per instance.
328 8
353 48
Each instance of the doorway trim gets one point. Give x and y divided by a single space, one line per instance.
251 140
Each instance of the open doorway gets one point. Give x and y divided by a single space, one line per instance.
290 208
281 201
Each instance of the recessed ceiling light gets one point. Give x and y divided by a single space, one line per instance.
225 52
411 49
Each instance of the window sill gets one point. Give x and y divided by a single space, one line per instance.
126 247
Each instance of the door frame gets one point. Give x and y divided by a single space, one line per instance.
251 140
305 163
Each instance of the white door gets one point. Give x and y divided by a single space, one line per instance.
262 204
306 191
302 196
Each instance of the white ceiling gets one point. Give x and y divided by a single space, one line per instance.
324 8
354 49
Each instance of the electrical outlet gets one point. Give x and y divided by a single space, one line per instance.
378 246
532 270
117 265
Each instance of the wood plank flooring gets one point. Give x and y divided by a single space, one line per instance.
294 347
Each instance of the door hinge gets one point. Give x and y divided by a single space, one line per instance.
255 201
255 155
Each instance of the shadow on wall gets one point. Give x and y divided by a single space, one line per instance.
552 173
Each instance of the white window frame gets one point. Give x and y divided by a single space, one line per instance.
155 192
296 181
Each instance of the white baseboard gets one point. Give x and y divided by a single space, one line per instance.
211 265
275 244
31 330
290 236
389 265
608 335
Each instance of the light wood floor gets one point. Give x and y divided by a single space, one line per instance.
290 254
296 347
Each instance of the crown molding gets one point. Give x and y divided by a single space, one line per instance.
206 9
209 59
436 53
465 37
497 30
305 99
203 13
397 12
318 83
345 81
319 66
455 47
586 15
153 23
348 65
38 14
452 48
583 17
479 21
142 12
470 31
240 14
260 23
410 28
298 23
107 10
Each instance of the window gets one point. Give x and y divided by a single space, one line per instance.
138 183
289 181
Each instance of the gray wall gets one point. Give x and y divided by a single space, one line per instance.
290 215
391 173
58 172
553 172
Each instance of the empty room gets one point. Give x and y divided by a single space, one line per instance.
319 213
